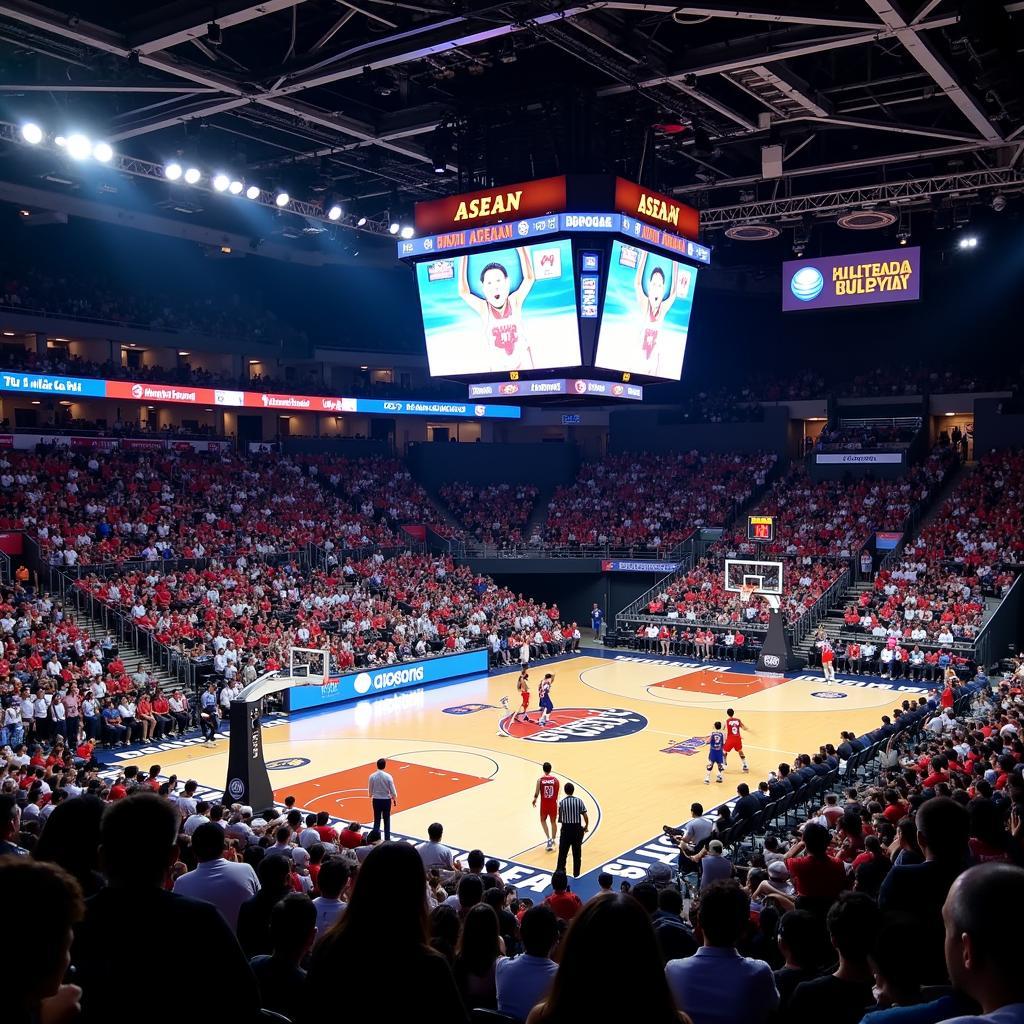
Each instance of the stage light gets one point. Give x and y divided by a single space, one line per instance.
334 213
968 242
407 232
394 227
32 133
172 172
361 222
102 152
999 202
282 198
235 187
252 192
221 182
192 175
903 239
59 140
79 147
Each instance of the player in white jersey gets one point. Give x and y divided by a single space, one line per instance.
505 339
654 306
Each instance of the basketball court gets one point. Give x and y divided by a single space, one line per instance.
630 731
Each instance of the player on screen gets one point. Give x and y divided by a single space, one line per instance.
654 307
506 345
547 790
546 707
734 739
716 755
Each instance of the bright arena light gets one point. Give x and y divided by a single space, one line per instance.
235 187
361 222
282 198
102 152
172 172
192 175
79 146
32 133
221 182
59 140
394 227
334 213
407 232
968 242
252 192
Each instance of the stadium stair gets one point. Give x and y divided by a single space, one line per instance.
133 659
833 622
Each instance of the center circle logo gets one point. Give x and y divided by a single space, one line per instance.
362 683
287 762
580 387
806 284
576 725
236 787
136 391
828 695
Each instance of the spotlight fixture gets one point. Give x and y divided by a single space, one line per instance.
59 140
968 242
32 133
235 187
394 227
998 202
192 175
361 223
78 146
252 192
407 232
172 172
213 34
334 213
282 198
102 152
221 182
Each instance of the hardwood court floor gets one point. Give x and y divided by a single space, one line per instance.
628 731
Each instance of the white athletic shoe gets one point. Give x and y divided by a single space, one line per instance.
550 845
719 779
707 782
746 767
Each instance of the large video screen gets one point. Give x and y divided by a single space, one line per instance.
492 312
646 317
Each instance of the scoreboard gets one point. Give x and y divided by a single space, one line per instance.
761 528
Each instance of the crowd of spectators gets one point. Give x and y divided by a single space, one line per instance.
494 514
871 434
647 502
894 898
101 298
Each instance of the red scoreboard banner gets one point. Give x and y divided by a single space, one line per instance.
655 208
507 202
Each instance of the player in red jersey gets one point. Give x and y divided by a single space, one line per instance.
506 345
523 686
547 790
733 737
654 306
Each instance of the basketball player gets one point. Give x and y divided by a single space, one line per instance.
654 307
827 660
544 690
506 346
547 789
733 739
716 756
523 686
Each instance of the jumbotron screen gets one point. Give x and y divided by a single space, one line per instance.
498 311
646 316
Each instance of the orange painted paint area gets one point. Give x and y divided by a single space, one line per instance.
722 683
343 794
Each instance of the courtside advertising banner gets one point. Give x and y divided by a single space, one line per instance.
862 279
501 311
646 317
370 682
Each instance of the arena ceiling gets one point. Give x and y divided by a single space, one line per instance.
376 104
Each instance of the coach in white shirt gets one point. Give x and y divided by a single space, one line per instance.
224 884
381 790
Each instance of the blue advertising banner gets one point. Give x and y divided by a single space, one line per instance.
41 383
613 565
412 407
386 679
863 278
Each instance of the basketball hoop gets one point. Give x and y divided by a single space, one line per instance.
747 591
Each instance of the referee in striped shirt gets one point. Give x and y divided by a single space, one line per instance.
572 817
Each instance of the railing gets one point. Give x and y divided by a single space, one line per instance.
819 610
1008 604
5 567
660 554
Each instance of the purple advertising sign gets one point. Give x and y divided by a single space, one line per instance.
860 279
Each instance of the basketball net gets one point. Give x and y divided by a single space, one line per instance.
747 591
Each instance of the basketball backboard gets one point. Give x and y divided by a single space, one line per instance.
766 577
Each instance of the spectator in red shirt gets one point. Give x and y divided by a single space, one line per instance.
565 903
817 877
